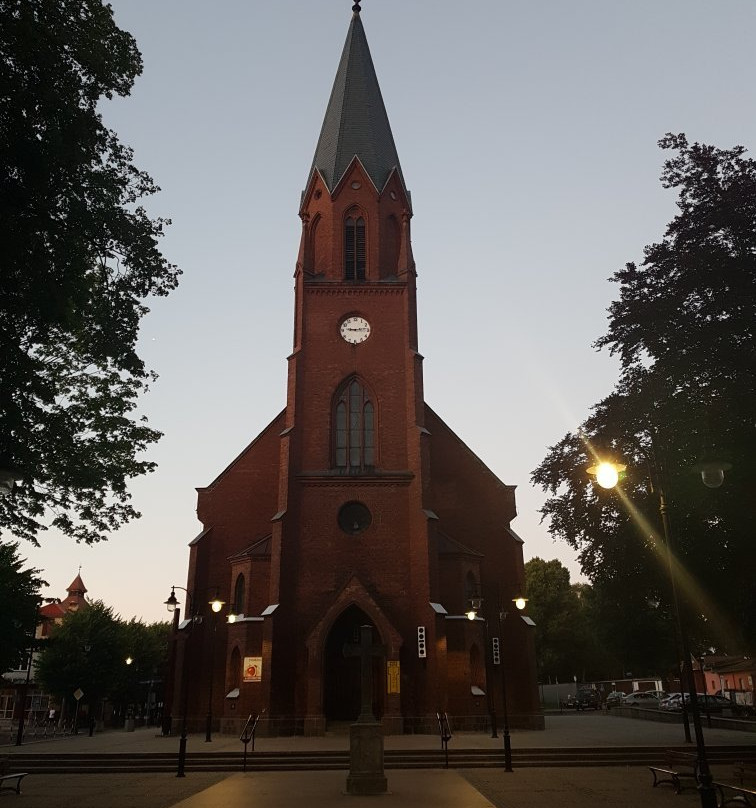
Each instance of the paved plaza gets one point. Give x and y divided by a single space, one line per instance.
534 787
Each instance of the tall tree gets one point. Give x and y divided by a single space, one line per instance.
555 609
146 645
88 651
19 598
683 328
79 259
85 652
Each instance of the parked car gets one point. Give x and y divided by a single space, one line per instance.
743 710
675 700
716 703
567 702
614 699
671 702
641 698
587 699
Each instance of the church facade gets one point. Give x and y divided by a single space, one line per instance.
357 505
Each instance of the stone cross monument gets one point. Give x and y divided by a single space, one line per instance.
366 774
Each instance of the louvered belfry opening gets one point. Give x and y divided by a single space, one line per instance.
354 249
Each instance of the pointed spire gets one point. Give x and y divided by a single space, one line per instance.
75 599
356 123
76 587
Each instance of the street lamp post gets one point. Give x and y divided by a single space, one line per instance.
712 475
216 605
666 527
705 787
172 604
520 604
29 662
473 614
476 604
24 693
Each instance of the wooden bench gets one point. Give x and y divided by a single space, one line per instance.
743 787
6 778
677 765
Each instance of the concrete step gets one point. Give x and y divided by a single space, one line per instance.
52 763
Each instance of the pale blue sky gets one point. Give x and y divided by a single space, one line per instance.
527 135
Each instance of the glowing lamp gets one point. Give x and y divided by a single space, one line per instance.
606 473
172 602
216 604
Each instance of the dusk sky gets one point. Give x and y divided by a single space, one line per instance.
527 135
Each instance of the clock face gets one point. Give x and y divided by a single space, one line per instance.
355 329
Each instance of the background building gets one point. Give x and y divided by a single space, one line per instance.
20 691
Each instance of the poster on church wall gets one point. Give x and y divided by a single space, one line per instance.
392 675
252 669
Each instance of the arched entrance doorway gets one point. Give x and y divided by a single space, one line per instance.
341 675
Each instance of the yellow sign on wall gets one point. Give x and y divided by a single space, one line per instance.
392 675
252 669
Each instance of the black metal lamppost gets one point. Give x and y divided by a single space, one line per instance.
25 688
712 472
216 605
173 604
476 602
476 605
8 478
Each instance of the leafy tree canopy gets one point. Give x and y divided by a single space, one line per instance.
683 328
555 609
85 651
88 650
19 598
80 257
146 645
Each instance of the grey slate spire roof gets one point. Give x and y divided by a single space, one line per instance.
356 122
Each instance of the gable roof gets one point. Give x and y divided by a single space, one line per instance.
259 549
449 546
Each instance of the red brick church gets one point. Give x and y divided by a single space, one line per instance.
357 505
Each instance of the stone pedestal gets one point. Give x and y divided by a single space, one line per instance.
366 760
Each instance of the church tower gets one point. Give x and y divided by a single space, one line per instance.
357 505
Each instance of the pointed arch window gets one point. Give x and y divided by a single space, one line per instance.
471 589
354 422
238 606
354 248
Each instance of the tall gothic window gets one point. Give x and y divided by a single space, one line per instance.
239 593
471 589
354 249
355 429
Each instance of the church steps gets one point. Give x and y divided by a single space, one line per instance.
339 760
